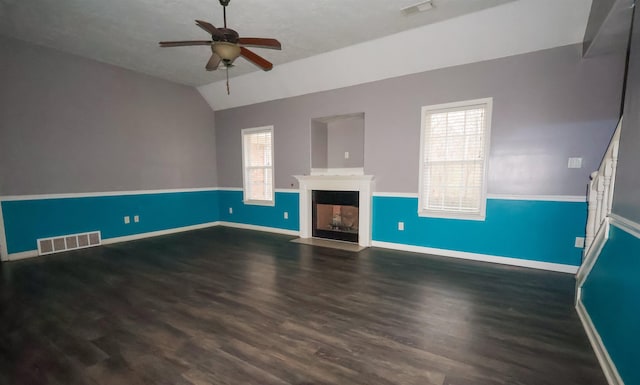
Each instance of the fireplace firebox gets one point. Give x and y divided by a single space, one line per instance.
335 215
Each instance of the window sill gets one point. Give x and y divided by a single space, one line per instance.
259 203
452 215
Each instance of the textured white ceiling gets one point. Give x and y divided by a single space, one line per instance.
511 29
126 32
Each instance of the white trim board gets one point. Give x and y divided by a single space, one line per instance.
278 190
337 171
556 198
395 195
570 269
287 190
607 364
593 253
4 253
549 198
245 226
625 224
514 197
102 193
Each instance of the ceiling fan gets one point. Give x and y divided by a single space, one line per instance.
226 45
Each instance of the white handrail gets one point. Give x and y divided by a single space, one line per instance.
600 192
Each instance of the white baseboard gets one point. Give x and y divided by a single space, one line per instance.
134 237
126 238
22 255
479 257
608 367
260 228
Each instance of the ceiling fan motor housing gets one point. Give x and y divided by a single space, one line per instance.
226 45
230 35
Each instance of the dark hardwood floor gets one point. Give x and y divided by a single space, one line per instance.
228 306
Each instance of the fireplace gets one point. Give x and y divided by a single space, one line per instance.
362 185
335 215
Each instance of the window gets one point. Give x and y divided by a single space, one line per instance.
257 163
454 148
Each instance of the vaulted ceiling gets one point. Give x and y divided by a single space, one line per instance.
126 32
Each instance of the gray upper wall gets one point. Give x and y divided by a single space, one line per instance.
626 195
608 27
319 139
345 135
69 124
547 106
599 11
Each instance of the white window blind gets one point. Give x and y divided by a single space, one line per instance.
257 149
454 159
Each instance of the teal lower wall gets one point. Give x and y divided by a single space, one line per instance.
534 230
268 216
611 295
27 220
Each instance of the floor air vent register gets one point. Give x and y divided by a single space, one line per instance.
68 242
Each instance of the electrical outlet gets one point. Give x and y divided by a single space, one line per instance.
230 210
286 215
136 218
346 154
127 220
401 226
579 242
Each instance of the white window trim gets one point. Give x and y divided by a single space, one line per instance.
481 216
269 202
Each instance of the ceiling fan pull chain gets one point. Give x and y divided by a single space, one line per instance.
228 90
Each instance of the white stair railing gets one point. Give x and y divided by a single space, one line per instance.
600 193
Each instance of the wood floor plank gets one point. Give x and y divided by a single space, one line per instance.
230 306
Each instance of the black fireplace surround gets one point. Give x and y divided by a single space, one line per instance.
335 215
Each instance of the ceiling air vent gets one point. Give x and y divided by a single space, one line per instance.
68 242
417 8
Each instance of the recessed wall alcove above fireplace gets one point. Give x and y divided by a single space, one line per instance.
348 190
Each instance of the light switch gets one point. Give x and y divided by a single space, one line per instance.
136 218
286 215
346 154
401 226
127 220
575 163
579 242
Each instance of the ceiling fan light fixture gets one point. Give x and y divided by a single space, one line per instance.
228 52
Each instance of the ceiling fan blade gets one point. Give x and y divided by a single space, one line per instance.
256 59
184 43
213 62
215 33
260 42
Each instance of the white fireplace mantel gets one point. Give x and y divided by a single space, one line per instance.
361 183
